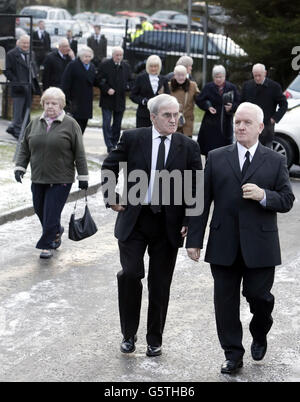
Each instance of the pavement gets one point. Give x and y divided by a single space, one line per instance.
59 318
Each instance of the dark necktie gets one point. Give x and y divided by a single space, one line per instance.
160 164
246 163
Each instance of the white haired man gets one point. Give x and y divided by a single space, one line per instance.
248 184
114 78
160 226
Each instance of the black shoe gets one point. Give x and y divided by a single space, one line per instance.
258 350
57 241
231 366
128 345
153 351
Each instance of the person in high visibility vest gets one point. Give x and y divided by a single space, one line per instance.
146 25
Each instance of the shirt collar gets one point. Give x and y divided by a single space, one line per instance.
60 117
242 150
156 134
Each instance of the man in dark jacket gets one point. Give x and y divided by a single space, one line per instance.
267 94
114 80
18 65
98 43
55 64
144 223
41 43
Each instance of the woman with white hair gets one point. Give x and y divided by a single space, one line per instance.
185 91
219 99
78 81
53 146
147 85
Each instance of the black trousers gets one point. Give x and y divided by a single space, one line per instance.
48 202
149 232
257 284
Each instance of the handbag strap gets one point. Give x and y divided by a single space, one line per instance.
86 201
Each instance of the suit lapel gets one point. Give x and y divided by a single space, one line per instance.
146 145
257 161
149 83
233 159
174 150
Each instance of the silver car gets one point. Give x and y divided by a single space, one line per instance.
287 134
293 90
46 13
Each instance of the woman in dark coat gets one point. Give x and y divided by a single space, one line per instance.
146 86
219 99
78 81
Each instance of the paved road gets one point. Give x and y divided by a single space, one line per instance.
59 318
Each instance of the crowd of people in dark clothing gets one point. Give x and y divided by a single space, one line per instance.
78 72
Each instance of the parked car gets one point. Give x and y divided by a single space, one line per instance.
45 13
287 134
293 90
174 20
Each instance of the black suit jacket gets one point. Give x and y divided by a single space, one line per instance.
17 72
142 91
118 78
99 49
135 148
54 66
268 96
78 84
239 222
42 45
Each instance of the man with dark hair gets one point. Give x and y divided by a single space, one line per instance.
41 43
98 43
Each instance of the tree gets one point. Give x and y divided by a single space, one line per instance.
267 30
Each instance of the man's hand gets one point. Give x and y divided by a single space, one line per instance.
228 107
184 231
111 91
117 208
193 253
252 192
272 120
212 110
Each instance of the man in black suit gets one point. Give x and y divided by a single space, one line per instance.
98 43
18 65
41 43
248 184
159 226
114 77
72 42
55 64
267 94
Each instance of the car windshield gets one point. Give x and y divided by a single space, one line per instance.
35 13
180 17
295 85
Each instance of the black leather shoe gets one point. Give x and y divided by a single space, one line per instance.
258 350
231 366
128 345
153 351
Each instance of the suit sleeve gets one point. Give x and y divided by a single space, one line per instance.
281 101
110 172
135 95
197 224
281 198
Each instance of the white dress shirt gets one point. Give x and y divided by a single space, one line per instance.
154 82
155 145
242 157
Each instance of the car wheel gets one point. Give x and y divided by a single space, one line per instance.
283 147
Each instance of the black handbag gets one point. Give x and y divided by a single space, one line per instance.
83 227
